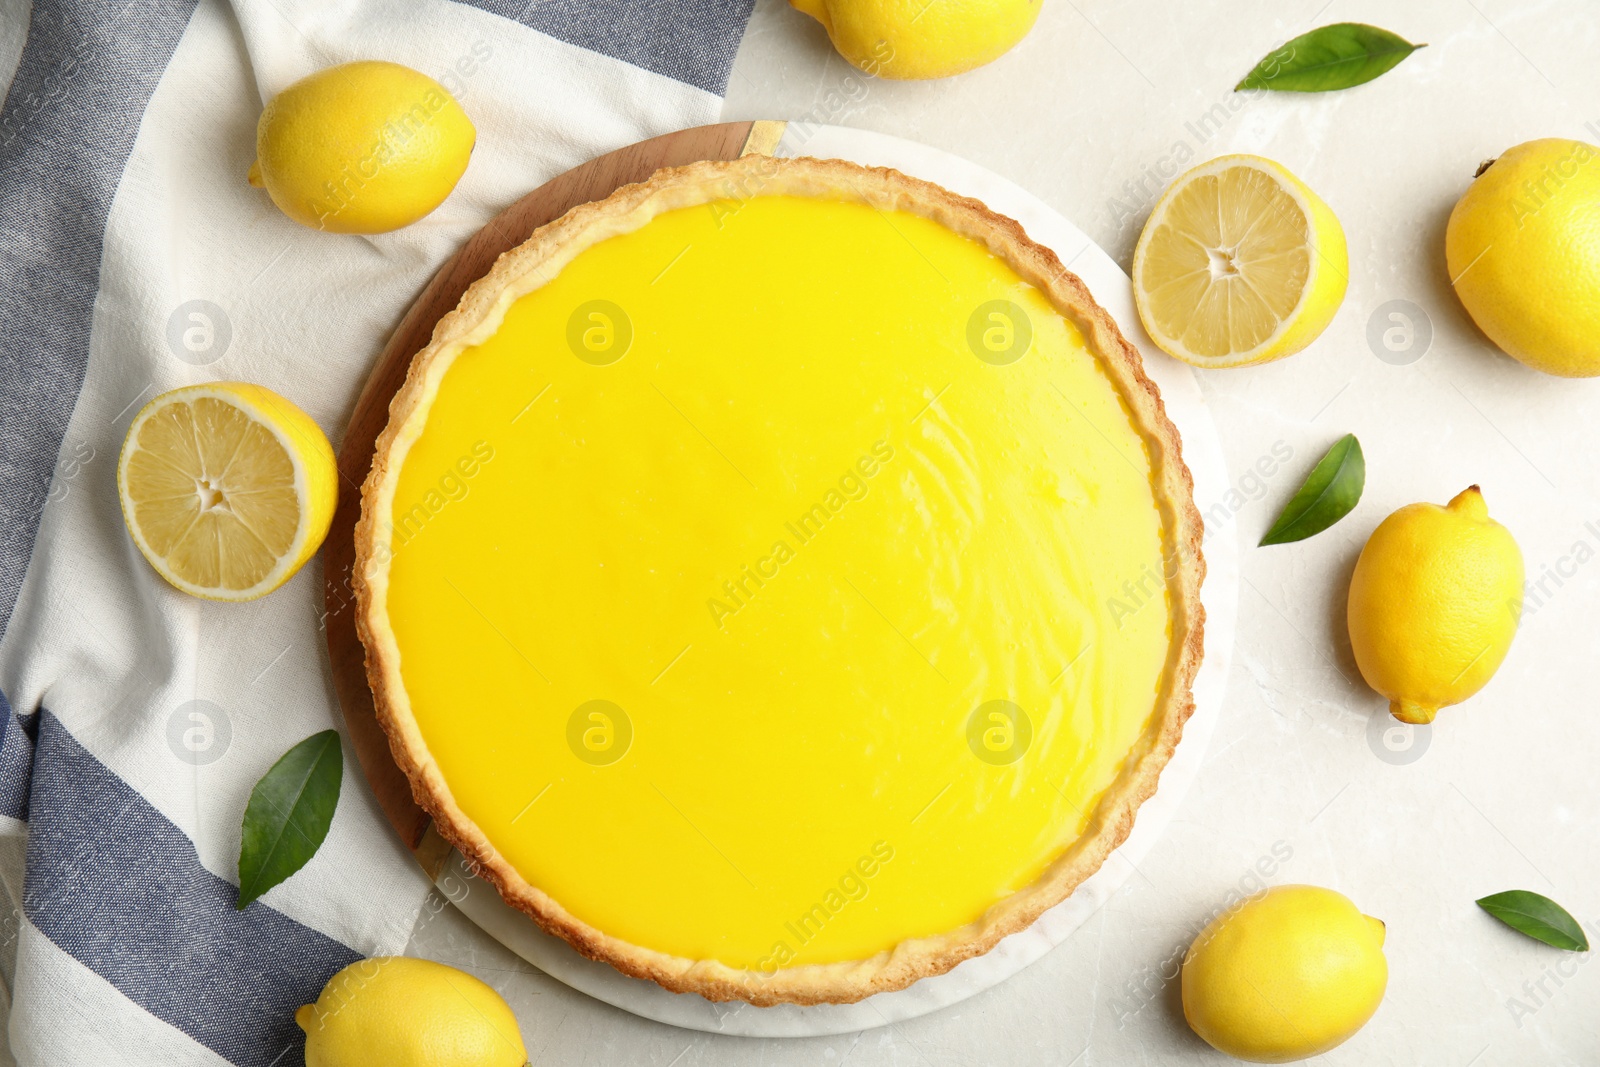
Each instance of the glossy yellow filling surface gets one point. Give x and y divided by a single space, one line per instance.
782 580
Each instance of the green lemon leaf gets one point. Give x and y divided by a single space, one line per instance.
1331 490
1537 916
1331 57
289 813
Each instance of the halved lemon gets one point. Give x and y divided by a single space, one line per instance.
1239 263
227 488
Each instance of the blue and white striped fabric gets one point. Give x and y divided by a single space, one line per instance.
134 720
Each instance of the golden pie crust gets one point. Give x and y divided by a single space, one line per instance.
538 260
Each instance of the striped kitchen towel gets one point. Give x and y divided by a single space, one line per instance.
136 719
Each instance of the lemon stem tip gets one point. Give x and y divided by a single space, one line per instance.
303 1016
1410 711
254 175
1470 504
817 9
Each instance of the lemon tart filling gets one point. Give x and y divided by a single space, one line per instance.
856 618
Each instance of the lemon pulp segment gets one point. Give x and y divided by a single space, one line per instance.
707 638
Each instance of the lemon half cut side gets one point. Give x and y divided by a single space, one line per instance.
226 488
1239 263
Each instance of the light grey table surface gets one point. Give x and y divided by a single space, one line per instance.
1303 778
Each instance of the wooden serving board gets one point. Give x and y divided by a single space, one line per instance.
593 180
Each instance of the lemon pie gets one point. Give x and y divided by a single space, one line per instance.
780 579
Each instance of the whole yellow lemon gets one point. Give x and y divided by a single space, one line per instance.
1434 603
916 39
1288 974
1523 250
364 147
404 1012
